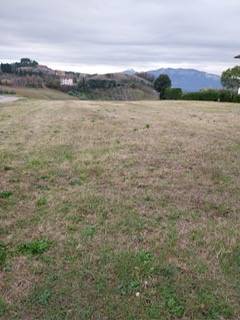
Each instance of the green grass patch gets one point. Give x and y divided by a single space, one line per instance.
172 302
41 296
88 232
41 202
132 268
3 307
230 264
3 254
213 306
5 194
34 247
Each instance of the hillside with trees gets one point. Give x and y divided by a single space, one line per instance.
115 86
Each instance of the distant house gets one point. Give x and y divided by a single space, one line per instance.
60 73
66 82
238 57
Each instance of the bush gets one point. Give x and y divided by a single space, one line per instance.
53 83
3 254
236 98
78 94
100 84
5 194
173 93
34 247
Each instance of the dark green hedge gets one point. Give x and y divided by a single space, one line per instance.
212 95
203 95
173 94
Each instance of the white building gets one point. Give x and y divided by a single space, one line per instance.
66 82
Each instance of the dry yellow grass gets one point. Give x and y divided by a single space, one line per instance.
43 94
119 210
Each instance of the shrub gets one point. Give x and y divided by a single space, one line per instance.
53 83
41 202
3 254
100 84
173 93
34 247
5 194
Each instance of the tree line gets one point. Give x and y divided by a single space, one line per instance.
14 67
230 80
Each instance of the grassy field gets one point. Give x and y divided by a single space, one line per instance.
119 211
43 94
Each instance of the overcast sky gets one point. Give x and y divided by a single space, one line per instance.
112 35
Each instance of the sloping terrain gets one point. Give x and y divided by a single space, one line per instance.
125 93
119 210
38 93
117 86
38 81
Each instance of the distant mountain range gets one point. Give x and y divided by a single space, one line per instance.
188 79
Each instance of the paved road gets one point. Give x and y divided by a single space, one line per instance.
7 99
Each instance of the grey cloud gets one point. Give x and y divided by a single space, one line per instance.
130 33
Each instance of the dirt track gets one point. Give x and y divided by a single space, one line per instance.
7 99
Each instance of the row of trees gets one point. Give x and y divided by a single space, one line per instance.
14 67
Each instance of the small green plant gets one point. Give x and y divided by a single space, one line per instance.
41 296
7 168
74 218
215 307
173 304
3 254
41 202
34 163
169 271
147 126
147 198
3 307
132 268
34 247
130 287
88 232
230 264
5 194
